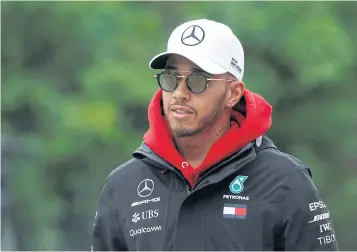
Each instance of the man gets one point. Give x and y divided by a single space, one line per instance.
206 176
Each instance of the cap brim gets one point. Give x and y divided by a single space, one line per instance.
206 64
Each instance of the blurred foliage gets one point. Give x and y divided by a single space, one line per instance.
76 85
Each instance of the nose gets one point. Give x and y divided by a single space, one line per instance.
181 92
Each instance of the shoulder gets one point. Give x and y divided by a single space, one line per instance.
284 178
288 168
282 162
278 168
270 158
125 172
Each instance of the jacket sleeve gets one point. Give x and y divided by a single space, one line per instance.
307 222
106 234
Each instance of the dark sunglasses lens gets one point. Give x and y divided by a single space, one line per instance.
168 81
197 82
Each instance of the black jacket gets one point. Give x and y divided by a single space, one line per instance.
259 198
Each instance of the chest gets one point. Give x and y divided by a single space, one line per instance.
223 216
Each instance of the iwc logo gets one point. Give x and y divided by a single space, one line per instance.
193 35
236 185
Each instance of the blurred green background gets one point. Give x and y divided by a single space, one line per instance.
76 86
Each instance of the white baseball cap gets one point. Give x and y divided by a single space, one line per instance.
210 45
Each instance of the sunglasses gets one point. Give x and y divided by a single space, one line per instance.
196 81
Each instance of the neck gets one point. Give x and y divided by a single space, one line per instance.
195 148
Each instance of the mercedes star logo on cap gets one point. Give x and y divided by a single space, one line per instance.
193 35
145 188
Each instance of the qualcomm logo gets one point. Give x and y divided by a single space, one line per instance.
144 230
236 186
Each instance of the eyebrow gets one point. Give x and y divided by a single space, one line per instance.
171 68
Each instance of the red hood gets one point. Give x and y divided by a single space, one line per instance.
256 123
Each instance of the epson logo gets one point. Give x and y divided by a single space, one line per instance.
236 197
318 204
145 201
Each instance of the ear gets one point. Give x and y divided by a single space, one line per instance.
236 90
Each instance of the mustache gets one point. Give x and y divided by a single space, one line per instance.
181 104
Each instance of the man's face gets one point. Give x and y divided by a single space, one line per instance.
189 113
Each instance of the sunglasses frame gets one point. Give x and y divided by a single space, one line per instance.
208 79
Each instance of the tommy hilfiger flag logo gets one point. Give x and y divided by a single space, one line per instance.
235 211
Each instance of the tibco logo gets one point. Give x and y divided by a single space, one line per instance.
143 230
236 197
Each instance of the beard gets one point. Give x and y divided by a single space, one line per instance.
202 123
199 124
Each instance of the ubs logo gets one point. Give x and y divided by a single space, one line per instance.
146 215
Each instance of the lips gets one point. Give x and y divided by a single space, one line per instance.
181 110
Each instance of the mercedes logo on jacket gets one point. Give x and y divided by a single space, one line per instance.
145 188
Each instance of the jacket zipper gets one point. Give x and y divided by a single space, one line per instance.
188 189
247 147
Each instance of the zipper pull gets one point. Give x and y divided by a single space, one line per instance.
188 190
